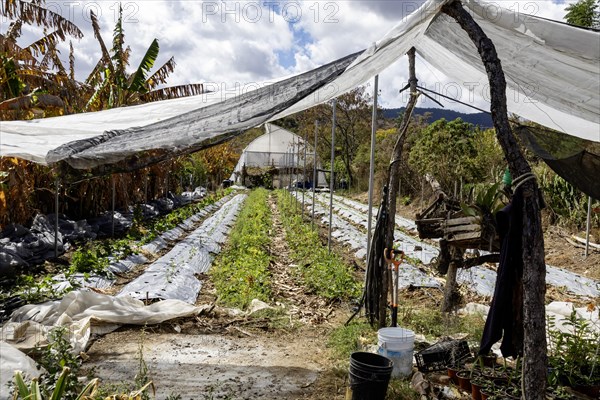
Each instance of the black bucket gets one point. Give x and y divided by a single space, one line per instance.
369 376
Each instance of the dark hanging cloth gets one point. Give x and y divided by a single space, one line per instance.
505 318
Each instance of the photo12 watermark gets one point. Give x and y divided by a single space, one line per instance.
256 11
470 92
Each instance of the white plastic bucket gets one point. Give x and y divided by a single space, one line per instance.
397 344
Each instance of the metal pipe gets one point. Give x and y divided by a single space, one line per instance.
314 182
294 172
372 166
587 229
57 185
304 174
291 167
112 216
331 178
297 174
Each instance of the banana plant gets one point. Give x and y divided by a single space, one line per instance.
36 67
114 87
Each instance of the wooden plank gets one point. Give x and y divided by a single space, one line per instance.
463 220
430 220
582 240
463 236
466 228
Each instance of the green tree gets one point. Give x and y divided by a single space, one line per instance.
353 128
384 143
584 13
454 150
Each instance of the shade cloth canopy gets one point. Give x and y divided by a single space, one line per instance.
551 70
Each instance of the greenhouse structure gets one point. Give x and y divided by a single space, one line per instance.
283 154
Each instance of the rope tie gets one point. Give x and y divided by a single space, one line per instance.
522 179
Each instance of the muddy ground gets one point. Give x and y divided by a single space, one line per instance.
272 354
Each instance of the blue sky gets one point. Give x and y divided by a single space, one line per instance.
249 41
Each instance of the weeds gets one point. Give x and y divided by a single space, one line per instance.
240 273
34 290
401 389
323 272
57 355
139 388
356 336
347 339
433 323
142 378
574 356
567 203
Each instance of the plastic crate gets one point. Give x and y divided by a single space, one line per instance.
442 354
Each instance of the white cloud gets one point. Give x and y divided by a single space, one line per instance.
243 41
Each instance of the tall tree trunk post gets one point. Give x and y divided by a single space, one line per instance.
451 294
394 178
534 273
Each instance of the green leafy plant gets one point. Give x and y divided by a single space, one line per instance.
487 200
347 339
567 204
456 151
35 390
33 289
88 259
324 272
241 272
573 356
56 356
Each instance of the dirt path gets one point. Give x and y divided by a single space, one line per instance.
276 353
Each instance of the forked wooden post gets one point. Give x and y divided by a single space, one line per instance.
394 179
534 268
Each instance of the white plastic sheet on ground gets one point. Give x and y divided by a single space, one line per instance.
173 276
84 313
551 72
560 311
479 279
409 275
133 260
12 360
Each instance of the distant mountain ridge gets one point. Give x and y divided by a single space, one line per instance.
481 119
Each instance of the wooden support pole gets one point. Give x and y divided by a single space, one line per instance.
297 175
534 268
394 180
304 174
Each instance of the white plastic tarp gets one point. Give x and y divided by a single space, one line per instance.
13 360
551 70
85 312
